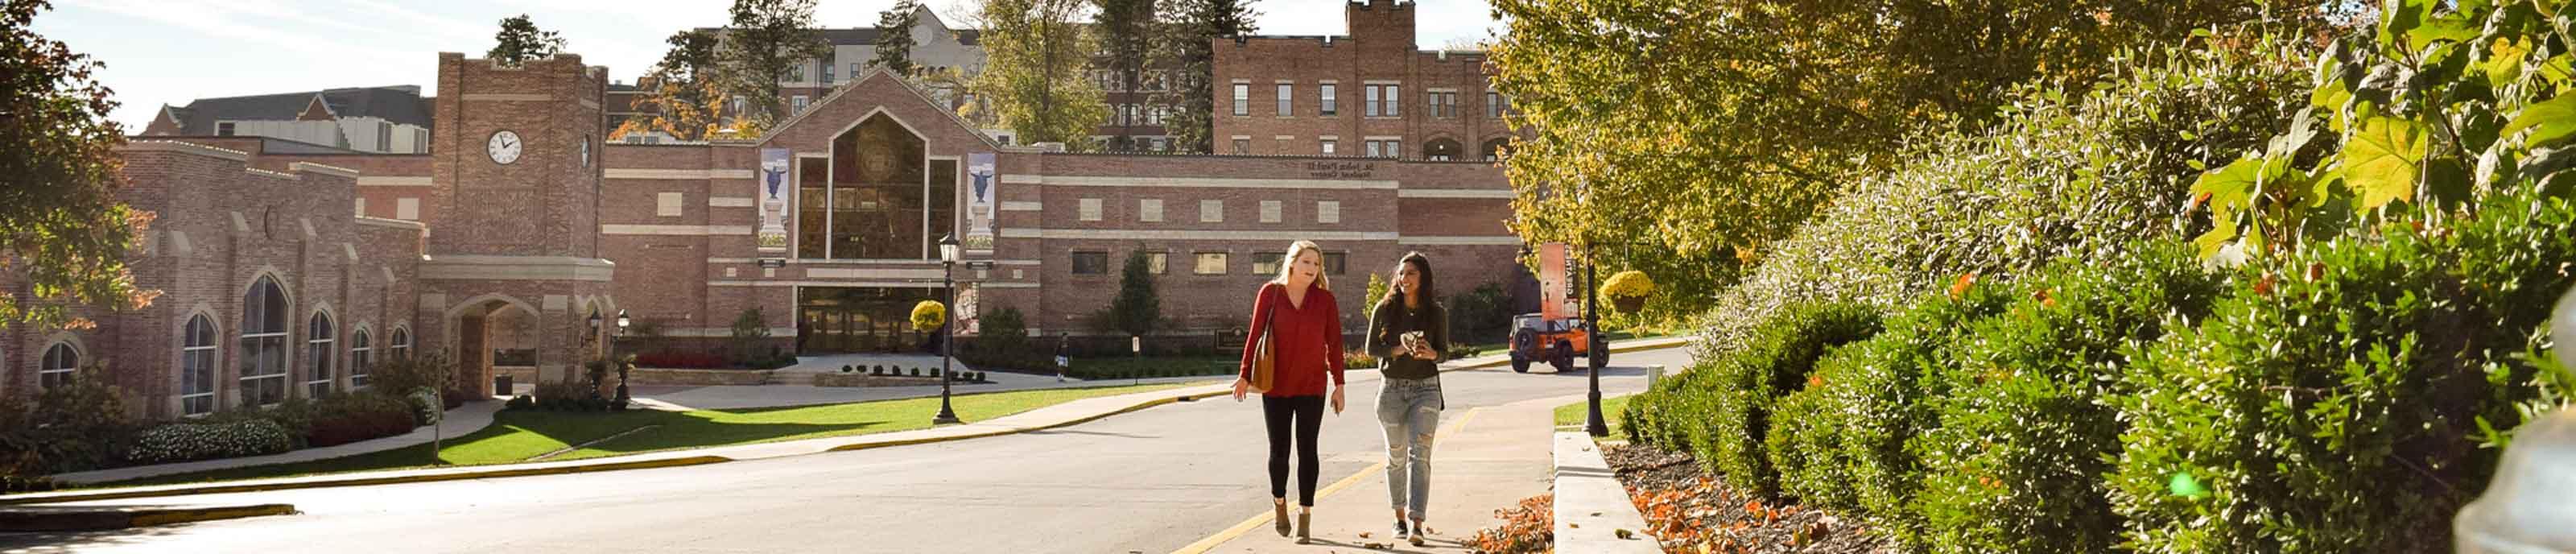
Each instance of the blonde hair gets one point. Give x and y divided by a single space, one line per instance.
1289 263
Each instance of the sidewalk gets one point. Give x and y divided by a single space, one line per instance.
1069 413
1484 459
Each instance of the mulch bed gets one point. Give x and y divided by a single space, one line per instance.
1693 511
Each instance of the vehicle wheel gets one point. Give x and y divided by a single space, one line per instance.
1564 359
1520 364
1600 355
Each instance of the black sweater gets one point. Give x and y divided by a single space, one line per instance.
1390 320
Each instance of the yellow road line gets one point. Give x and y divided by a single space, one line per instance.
1255 522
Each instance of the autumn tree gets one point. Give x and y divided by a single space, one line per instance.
64 235
1184 38
765 39
1126 32
894 37
1034 56
520 40
686 96
1680 135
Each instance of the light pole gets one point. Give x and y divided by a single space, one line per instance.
622 321
1592 423
948 336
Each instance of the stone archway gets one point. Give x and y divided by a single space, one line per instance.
493 332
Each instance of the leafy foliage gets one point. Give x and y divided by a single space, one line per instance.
750 331
2062 174
1184 40
1721 408
520 40
1765 110
894 37
64 235
75 426
762 41
1137 310
182 442
1479 316
1004 330
1125 30
688 91
1035 55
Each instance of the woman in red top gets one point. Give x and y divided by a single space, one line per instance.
1297 309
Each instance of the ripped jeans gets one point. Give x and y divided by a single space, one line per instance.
1410 410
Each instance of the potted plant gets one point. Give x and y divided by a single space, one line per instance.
1628 290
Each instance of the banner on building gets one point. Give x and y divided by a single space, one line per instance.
982 193
967 323
773 200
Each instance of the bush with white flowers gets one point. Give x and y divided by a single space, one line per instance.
180 442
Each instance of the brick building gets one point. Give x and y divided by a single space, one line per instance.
287 270
1369 94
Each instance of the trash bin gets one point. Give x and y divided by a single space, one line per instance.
501 385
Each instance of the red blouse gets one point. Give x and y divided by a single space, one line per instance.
1307 340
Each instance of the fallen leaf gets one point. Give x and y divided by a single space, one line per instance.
1364 534
1623 534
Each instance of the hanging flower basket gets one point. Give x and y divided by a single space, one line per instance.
1628 304
927 315
1628 290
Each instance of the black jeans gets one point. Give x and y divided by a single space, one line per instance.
1308 411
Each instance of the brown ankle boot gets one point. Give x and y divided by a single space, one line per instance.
1280 516
1305 531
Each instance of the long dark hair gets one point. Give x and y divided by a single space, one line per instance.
1421 264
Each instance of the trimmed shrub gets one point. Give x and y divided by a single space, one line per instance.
74 427
181 442
1721 409
2333 402
355 417
2024 430
1840 442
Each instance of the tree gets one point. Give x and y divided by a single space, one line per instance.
520 40
1184 40
763 41
894 37
1126 32
1376 290
64 235
1034 55
1137 310
1761 109
687 96
749 330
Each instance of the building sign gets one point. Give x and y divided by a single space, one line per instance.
1554 300
1340 170
967 323
983 189
773 200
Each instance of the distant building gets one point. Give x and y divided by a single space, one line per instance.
1368 94
373 120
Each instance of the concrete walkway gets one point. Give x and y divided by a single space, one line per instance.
735 397
471 417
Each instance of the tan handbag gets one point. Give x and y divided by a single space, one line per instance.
1264 359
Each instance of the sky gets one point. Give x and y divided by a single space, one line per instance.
173 51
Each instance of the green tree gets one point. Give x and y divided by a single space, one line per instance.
520 40
1126 32
687 100
749 330
1034 56
1376 290
894 37
59 176
1137 310
1761 110
1185 34
764 39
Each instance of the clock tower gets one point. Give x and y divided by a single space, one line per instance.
513 278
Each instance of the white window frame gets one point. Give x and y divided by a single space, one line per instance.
361 358
1327 108
196 360
60 370
1329 146
1287 99
400 343
321 342
251 384
1199 263
1242 99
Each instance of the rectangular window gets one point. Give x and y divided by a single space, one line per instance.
1369 148
1335 262
796 73
857 69
224 129
1242 146
1395 149
1328 108
1493 104
813 204
384 137
1265 263
797 102
1287 92
1156 262
1369 107
1328 211
1090 210
1328 147
1211 211
1209 263
1242 99
1149 210
1393 100
1269 211
827 74
1090 263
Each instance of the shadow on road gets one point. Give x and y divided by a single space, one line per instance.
82 541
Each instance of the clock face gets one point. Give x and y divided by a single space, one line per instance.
504 147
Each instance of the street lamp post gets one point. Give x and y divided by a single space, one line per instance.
1593 423
948 337
622 322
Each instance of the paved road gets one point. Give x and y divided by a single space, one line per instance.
1150 481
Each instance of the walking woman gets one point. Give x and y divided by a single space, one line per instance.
1409 331
1304 329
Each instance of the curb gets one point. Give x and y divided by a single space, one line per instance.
112 518
1591 509
580 467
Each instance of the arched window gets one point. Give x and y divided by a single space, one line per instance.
1440 150
318 354
401 345
361 360
1494 148
60 361
263 344
197 368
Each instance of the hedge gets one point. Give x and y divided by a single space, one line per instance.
182 442
1721 407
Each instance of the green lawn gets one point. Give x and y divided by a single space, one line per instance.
1573 414
516 436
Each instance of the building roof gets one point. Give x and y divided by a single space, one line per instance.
399 104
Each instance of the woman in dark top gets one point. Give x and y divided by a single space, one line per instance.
1409 331
1305 327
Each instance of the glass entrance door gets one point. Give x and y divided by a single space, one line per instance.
859 319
